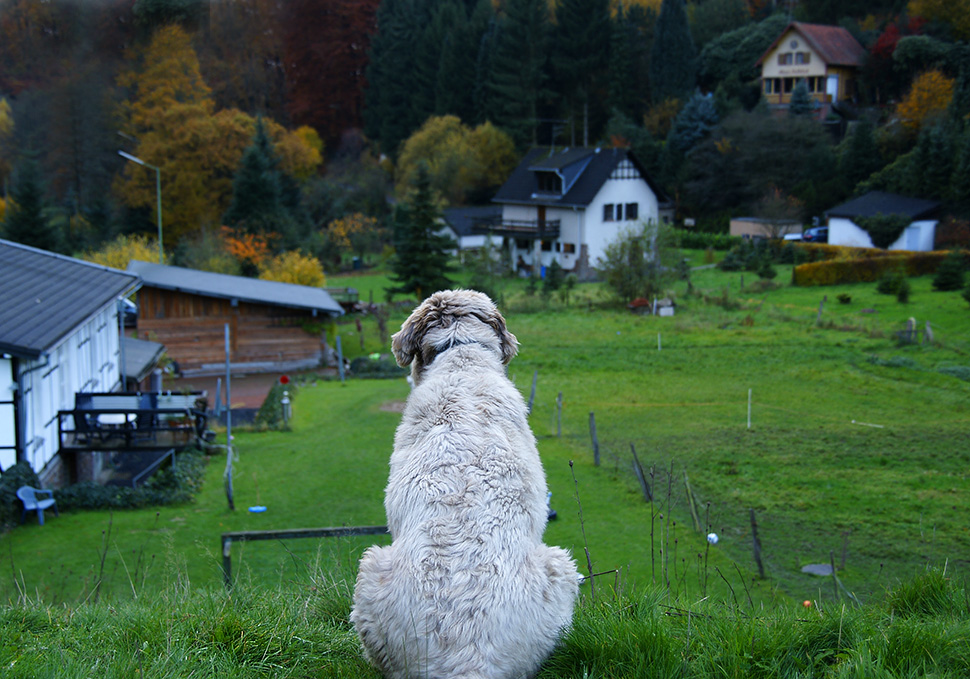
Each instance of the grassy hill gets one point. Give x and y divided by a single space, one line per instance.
857 454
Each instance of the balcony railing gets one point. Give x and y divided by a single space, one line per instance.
519 228
132 422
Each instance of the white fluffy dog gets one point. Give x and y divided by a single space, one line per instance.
467 588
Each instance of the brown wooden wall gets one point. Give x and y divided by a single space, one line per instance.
192 329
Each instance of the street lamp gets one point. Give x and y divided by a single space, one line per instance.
158 194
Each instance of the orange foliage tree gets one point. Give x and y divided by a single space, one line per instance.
928 98
250 250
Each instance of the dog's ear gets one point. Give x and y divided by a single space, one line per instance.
508 345
406 343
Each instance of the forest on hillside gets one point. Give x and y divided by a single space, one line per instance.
293 126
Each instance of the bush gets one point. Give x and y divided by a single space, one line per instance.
383 367
902 294
766 271
891 283
701 240
949 275
11 509
866 269
270 414
171 485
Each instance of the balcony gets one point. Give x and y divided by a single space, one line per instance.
130 422
519 228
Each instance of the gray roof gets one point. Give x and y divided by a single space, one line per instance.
224 286
462 220
141 357
46 296
880 202
586 168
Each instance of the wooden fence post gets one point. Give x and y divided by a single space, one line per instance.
756 546
638 470
596 442
532 395
559 416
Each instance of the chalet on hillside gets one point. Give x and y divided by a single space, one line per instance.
827 58
568 204
59 336
273 326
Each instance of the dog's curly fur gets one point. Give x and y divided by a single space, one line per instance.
467 588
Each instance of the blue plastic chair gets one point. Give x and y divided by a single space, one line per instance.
31 502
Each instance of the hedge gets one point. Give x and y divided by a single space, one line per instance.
701 240
866 269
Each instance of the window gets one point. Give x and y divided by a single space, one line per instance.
803 57
547 246
522 244
632 211
785 59
608 212
549 182
789 85
558 246
569 248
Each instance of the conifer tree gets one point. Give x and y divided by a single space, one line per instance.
420 264
860 156
518 77
24 221
673 56
932 166
581 54
257 192
801 103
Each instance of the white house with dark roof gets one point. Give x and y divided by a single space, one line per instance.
919 235
59 336
568 204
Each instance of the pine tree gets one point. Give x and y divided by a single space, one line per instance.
950 273
801 103
388 114
860 157
581 55
694 122
673 57
518 82
420 264
24 221
932 166
257 194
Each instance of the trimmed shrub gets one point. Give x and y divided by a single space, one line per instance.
891 283
13 478
701 240
866 270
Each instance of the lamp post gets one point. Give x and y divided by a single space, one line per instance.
158 195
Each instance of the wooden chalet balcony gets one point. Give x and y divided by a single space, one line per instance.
519 228
121 422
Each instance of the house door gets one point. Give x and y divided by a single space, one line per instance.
8 415
912 237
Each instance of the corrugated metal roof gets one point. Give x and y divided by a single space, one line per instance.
522 186
463 219
244 289
45 296
834 44
880 202
141 357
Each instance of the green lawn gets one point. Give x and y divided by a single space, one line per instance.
856 443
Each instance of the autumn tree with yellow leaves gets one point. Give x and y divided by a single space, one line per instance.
928 99
172 118
294 267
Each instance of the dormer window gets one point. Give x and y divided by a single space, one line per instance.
549 182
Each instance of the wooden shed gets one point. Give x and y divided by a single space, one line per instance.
273 326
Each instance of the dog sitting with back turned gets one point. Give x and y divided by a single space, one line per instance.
466 588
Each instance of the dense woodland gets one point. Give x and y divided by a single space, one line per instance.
294 126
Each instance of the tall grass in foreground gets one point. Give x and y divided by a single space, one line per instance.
301 629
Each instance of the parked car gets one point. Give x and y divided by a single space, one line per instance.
817 234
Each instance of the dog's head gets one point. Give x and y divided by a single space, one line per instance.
446 319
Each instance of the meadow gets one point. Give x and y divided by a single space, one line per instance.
856 455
